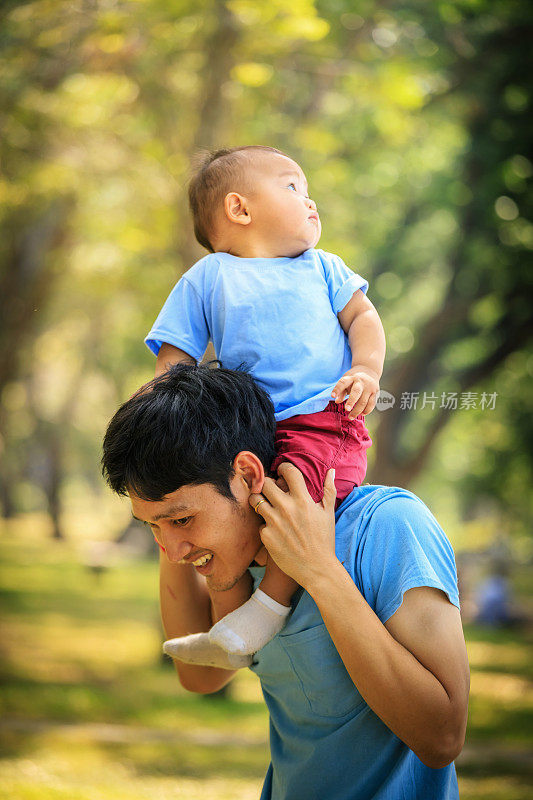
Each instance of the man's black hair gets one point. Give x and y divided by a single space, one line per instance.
186 427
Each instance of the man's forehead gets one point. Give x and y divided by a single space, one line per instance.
178 502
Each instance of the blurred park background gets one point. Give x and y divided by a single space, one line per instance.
412 122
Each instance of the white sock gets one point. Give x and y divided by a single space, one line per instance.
250 627
197 649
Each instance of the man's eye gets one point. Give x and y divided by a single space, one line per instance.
179 523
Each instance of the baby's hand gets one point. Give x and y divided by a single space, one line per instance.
360 385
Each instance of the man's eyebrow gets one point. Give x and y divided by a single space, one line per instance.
177 509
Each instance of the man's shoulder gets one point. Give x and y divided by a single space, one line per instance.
382 511
389 542
371 499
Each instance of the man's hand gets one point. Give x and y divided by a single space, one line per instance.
298 533
360 385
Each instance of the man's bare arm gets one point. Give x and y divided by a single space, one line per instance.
187 607
413 671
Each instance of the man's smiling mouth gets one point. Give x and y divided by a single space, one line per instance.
198 562
202 560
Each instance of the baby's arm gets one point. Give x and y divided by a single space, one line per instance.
168 356
361 323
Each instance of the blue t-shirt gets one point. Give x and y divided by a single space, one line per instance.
275 316
326 743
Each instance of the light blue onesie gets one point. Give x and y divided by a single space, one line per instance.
275 316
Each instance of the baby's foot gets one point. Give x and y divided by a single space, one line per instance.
197 649
250 627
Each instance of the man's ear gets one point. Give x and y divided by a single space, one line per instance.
236 208
248 468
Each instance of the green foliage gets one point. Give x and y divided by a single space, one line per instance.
412 123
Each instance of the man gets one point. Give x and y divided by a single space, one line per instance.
367 683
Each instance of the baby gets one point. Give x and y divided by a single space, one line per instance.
298 319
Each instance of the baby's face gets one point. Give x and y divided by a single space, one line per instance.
283 218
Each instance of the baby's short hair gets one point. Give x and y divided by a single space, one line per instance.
216 174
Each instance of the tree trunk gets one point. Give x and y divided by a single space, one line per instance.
26 282
452 322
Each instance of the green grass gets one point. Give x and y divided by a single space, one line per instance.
91 711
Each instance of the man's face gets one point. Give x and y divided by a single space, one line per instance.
196 523
283 216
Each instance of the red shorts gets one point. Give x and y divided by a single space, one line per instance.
317 442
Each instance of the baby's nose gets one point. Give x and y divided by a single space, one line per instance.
311 203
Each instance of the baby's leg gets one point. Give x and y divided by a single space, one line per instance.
250 627
254 624
277 584
198 649
314 443
317 442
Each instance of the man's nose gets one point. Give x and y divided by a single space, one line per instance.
175 547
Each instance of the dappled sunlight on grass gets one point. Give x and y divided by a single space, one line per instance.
74 650
503 656
494 789
501 694
508 690
90 775
92 711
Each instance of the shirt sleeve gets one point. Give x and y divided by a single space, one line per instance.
404 547
342 282
181 322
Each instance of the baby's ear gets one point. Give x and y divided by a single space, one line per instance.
236 208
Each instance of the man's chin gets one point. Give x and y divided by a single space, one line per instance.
222 585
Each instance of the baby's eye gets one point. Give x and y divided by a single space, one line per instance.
293 186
